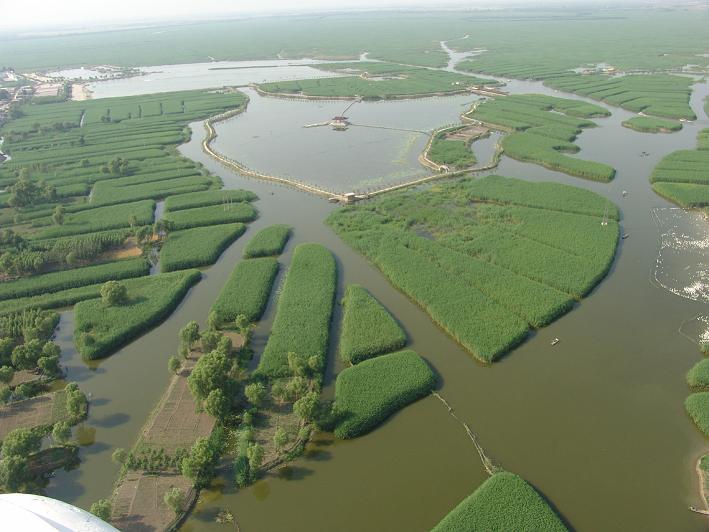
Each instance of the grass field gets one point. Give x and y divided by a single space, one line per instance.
368 329
268 242
649 124
683 176
374 81
697 405
304 311
487 269
657 95
101 330
503 502
543 129
211 215
370 392
247 290
199 246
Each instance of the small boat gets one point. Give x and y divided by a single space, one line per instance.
625 193
625 235
555 341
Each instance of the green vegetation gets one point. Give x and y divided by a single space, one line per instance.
698 376
247 290
102 329
302 320
455 153
63 280
487 272
370 392
649 124
541 133
657 95
210 215
199 246
697 405
375 81
368 329
208 197
683 176
268 242
503 502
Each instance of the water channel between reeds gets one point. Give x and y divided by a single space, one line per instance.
596 423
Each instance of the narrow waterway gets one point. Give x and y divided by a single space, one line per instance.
597 423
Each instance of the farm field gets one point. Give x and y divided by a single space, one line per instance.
371 391
659 95
541 134
304 311
648 124
374 81
486 283
502 502
683 176
368 329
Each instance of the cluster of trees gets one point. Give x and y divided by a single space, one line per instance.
151 459
26 192
115 167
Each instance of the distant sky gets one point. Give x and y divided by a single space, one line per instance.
52 15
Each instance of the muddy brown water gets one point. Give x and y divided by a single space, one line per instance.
596 423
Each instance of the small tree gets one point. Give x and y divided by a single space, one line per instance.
174 499
21 442
255 454
217 405
119 456
6 374
49 365
101 509
174 364
306 406
5 394
199 464
209 340
61 432
213 321
13 472
256 393
242 472
58 215
280 438
296 388
114 293
189 334
241 323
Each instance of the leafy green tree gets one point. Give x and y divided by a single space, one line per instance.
189 334
50 349
13 472
296 388
113 293
5 394
199 464
242 472
6 374
21 442
25 356
175 500
210 373
49 365
213 321
217 405
58 215
241 323
76 402
297 364
24 192
174 364
101 509
255 453
61 432
306 406
280 438
256 393
210 340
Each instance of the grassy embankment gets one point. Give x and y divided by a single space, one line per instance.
649 124
304 311
268 242
683 176
501 256
368 329
542 129
376 81
368 393
659 95
503 502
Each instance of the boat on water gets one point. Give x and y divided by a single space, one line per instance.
555 341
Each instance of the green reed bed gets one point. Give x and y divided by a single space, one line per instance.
247 290
268 242
199 246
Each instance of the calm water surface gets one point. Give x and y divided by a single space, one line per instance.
597 423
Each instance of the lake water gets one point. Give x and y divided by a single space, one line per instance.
597 423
